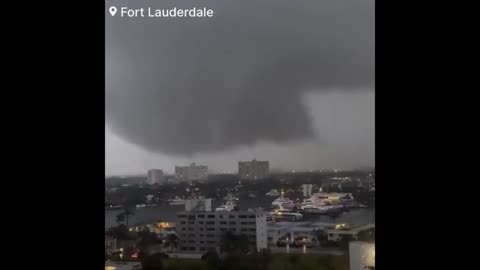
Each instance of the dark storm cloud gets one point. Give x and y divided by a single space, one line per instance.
185 86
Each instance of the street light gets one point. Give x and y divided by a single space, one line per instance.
288 245
368 260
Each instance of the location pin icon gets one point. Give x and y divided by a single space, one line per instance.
113 10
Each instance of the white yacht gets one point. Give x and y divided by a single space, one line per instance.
283 202
284 215
313 209
273 193
228 206
176 201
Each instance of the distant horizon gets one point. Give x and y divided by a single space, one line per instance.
274 171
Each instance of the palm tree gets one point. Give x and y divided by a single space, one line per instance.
120 218
229 242
123 216
234 243
127 212
120 232
171 241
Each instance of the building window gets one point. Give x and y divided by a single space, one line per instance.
223 229
202 242
191 222
210 222
182 216
220 216
191 217
191 241
192 248
251 230
223 222
202 235
182 222
211 216
233 230
231 216
251 223
211 242
200 222
190 229
242 216
210 235
201 216
202 249
210 229
251 216
232 223
183 229
201 229
244 229
243 223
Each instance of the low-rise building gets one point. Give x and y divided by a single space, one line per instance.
341 230
200 232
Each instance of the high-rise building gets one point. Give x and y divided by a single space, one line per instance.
307 190
155 176
192 172
253 170
203 231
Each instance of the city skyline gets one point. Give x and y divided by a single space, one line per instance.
247 90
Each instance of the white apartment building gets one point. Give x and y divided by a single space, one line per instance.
343 229
200 232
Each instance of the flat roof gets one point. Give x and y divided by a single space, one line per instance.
353 229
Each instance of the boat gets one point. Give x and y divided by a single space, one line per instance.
273 193
284 215
141 205
228 206
251 195
313 209
176 201
113 207
283 202
230 197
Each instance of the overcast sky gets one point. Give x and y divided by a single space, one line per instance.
274 80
